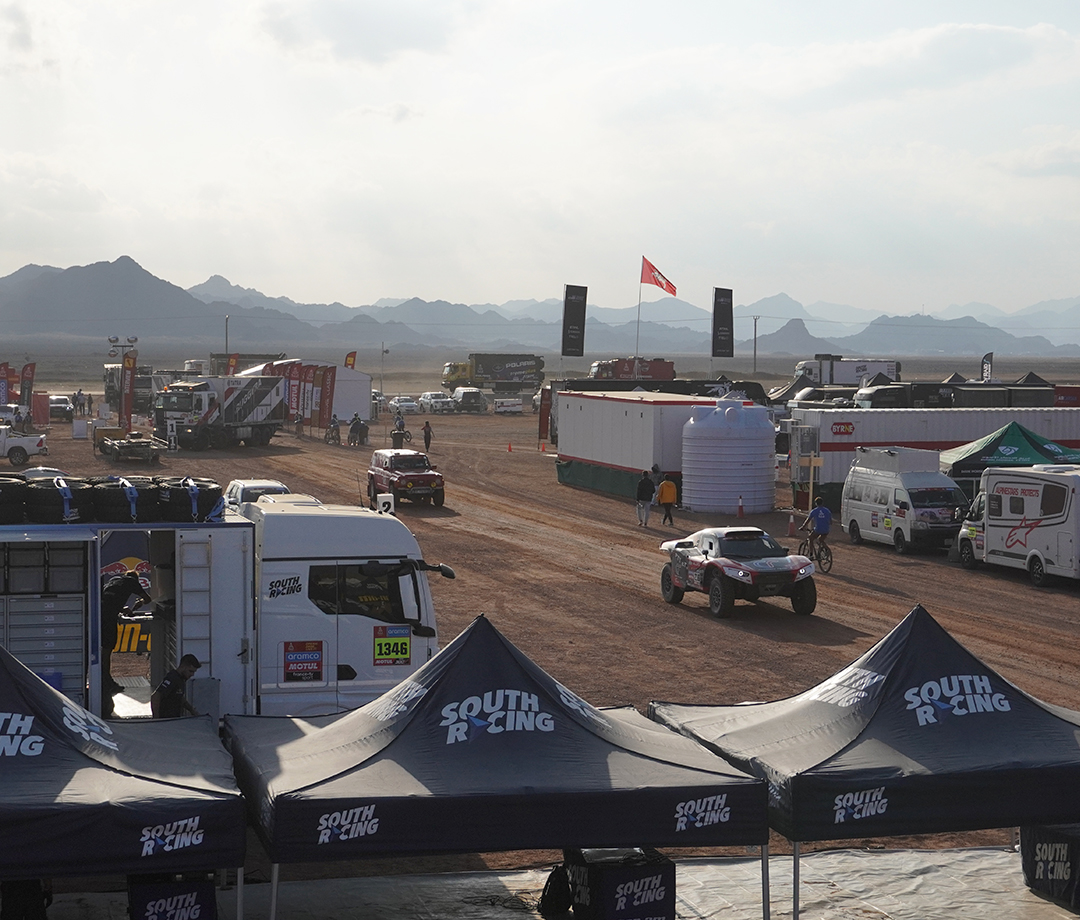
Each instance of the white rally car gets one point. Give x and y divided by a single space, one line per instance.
729 563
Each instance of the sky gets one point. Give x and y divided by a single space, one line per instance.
896 156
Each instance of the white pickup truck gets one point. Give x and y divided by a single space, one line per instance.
20 448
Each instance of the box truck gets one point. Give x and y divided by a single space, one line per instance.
292 606
498 372
836 369
221 412
1025 518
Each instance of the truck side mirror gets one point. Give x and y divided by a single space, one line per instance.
903 506
419 629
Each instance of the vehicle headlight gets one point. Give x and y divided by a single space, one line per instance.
806 570
920 525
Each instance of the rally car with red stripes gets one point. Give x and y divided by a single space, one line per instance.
736 563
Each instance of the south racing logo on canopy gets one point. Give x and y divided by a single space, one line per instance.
955 695
496 712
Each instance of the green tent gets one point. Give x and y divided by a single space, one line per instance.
1013 445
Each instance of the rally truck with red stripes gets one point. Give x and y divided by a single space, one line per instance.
221 412
736 563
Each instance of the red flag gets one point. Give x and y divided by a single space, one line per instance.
350 360
649 275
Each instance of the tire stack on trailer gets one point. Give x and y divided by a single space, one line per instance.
12 499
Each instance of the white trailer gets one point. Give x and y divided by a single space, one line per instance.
1025 518
832 435
220 412
606 438
293 607
836 369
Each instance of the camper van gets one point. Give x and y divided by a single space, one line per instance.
1025 518
898 495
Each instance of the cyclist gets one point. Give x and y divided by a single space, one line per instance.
399 421
819 522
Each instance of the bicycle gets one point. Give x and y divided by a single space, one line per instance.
822 557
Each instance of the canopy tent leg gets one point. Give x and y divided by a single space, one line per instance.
764 882
240 893
275 872
794 881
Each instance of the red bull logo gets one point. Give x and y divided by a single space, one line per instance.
130 637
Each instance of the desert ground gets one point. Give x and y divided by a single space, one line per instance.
568 576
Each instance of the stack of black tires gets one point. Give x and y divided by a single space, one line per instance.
112 500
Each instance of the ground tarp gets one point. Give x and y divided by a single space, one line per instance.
80 795
482 750
917 736
1012 445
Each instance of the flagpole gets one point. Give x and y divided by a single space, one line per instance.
637 336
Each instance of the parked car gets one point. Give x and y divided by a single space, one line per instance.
42 472
469 399
435 402
60 407
406 405
249 490
404 474
729 563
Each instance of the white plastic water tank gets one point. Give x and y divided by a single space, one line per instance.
729 452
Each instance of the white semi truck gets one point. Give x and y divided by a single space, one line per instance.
838 370
220 412
292 606
1025 518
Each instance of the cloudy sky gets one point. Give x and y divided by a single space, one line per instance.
898 156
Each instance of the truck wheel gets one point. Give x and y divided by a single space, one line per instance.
854 533
804 597
439 498
899 543
721 597
671 593
371 492
202 441
967 555
1037 572
18 456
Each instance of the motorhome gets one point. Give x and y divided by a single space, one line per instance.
1025 518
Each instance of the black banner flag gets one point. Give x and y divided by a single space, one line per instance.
723 324
573 320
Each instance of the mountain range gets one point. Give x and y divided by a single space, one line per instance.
82 305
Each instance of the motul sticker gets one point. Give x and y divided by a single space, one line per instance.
843 428
304 662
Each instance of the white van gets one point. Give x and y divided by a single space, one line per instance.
1025 518
899 495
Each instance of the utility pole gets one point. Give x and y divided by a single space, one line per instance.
756 318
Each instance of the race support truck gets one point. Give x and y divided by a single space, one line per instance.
1025 518
292 606
220 412
497 372
633 369
836 369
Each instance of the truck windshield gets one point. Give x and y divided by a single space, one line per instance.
751 546
174 402
937 498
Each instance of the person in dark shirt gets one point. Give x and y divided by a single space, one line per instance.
168 700
114 603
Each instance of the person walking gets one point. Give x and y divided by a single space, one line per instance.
645 490
114 603
89 405
657 477
665 497
427 437
168 700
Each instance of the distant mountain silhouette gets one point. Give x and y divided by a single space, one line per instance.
792 339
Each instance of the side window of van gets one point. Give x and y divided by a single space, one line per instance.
1016 505
855 490
1053 500
993 506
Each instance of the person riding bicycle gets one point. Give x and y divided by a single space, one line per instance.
399 421
819 522
357 430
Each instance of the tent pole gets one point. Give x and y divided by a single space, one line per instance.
275 871
764 882
794 881
240 893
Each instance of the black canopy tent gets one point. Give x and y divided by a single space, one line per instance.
916 736
80 795
482 750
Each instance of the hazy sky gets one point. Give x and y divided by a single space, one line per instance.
888 155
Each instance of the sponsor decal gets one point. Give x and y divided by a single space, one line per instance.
846 688
572 701
336 826
888 522
16 736
1017 536
175 907
1007 450
392 645
167 838
639 892
395 702
694 813
88 726
874 519
1052 862
843 428
303 662
283 587
957 695
496 712
854 806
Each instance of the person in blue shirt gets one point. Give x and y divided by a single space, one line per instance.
819 522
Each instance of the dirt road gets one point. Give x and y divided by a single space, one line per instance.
572 580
